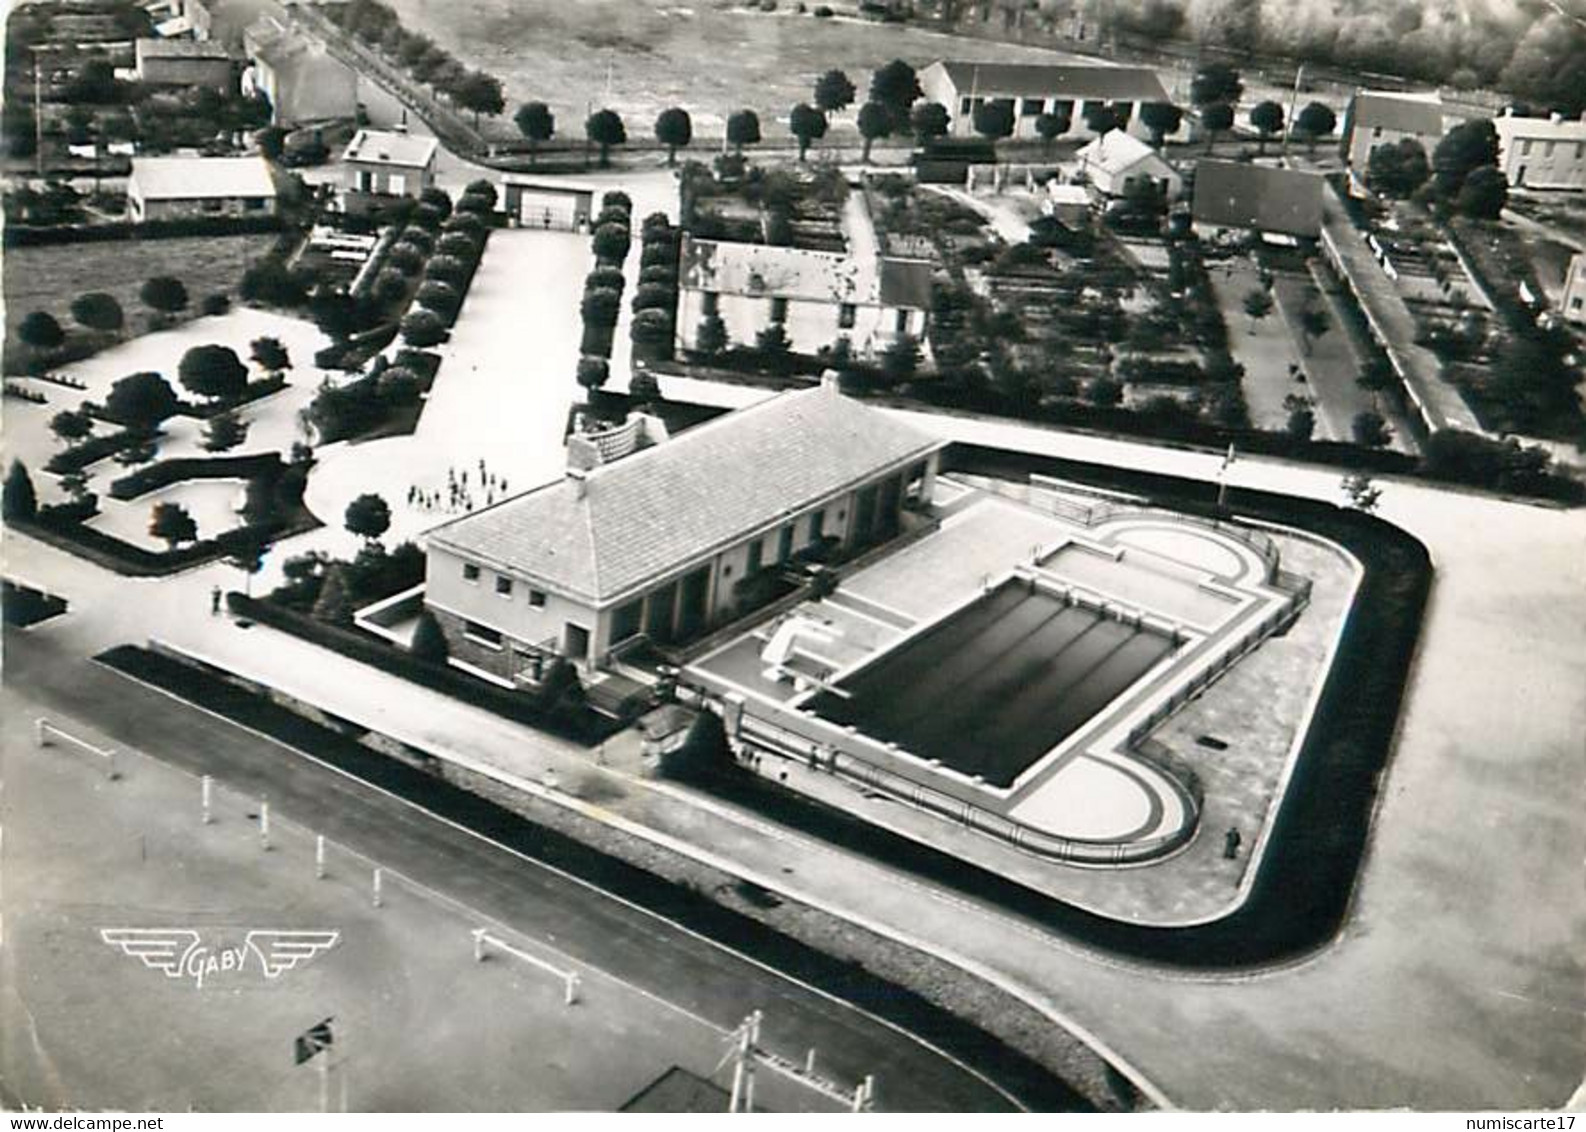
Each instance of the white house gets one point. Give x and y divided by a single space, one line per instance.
1542 153
660 543
1114 160
295 70
163 188
382 164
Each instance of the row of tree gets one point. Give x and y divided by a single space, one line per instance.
379 27
1462 174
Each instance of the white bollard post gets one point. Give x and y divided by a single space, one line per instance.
809 1063
41 730
113 773
571 995
205 785
479 945
377 878
319 856
264 825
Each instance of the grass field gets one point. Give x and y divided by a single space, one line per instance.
420 1025
49 278
708 57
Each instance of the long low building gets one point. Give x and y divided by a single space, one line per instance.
162 188
666 543
1068 90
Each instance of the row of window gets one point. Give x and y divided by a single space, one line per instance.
1035 107
504 585
1547 151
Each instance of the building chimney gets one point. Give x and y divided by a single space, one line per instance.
1555 117
580 478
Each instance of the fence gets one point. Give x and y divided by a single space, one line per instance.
48 734
867 775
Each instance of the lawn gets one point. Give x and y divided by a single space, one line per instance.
707 57
49 278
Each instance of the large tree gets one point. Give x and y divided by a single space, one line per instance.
141 400
1315 120
1267 118
164 294
605 129
213 371
1216 118
808 125
41 331
1397 169
537 125
897 87
674 129
1484 193
1214 83
929 120
834 91
98 310
743 128
368 516
480 93
1162 119
1052 126
994 118
875 121
1467 146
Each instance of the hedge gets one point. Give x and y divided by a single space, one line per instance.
135 561
96 448
166 472
22 236
583 726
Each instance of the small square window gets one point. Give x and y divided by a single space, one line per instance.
537 599
503 586
779 311
710 303
470 572
482 634
845 316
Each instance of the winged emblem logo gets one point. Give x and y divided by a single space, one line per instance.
181 953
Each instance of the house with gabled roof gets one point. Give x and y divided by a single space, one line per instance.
164 188
665 544
1114 160
295 70
1070 90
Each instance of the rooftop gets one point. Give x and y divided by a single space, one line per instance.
646 516
181 49
1420 113
388 147
191 178
1233 194
1554 128
1116 151
1060 80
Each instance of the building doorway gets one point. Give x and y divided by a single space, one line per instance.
576 645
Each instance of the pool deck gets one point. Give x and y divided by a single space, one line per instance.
1206 589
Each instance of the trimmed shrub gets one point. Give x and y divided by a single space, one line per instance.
664 274
423 328
652 327
611 242
405 257
459 244
448 269
606 276
442 298
593 372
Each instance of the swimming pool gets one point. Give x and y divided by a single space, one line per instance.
992 688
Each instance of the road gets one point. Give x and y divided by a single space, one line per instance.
662 959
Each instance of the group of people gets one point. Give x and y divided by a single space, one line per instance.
458 495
